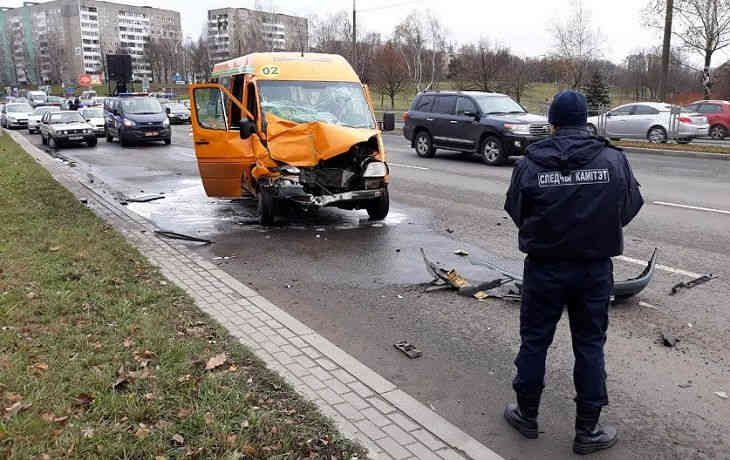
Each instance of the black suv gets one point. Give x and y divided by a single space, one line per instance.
492 125
134 119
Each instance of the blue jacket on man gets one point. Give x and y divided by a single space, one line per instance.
571 195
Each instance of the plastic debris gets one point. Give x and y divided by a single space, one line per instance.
690 284
461 252
144 198
409 350
721 394
180 236
669 340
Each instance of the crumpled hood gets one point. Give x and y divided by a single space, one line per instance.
566 150
306 144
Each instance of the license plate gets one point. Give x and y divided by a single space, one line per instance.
75 138
151 133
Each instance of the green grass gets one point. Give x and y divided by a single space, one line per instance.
705 148
102 358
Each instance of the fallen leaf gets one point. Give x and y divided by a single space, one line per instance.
160 457
149 354
163 283
162 424
62 419
39 367
97 345
178 438
231 440
13 397
47 416
55 248
245 424
128 342
215 361
248 449
149 396
142 432
209 419
183 413
233 368
87 432
83 400
121 383
45 457
31 295
185 378
16 408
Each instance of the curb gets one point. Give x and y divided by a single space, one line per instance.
364 406
679 153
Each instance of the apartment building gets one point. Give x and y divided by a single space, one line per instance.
235 32
62 39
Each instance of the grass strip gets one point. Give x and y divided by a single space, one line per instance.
701 148
100 357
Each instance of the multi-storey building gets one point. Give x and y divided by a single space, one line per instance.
61 39
237 31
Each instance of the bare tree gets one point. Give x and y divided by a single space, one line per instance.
479 66
577 44
421 41
390 72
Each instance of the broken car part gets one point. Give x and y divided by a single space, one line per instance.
690 284
622 290
144 198
409 350
180 236
669 340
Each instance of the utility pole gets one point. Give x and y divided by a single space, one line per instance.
354 36
666 50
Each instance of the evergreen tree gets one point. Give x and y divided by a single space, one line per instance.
597 92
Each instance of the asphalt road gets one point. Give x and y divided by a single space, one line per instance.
361 285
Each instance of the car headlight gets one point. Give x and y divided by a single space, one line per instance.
60 131
87 131
166 123
521 128
375 169
128 122
11 119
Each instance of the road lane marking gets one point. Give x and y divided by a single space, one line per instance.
409 166
660 267
696 208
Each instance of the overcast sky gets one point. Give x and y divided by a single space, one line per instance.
522 25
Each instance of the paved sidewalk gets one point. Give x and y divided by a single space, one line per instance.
365 406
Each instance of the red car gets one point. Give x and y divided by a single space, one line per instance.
718 116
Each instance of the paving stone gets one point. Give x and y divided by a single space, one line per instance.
291 350
376 417
330 396
297 342
283 358
428 439
298 370
403 422
311 352
337 386
313 382
355 400
397 433
326 364
422 452
305 361
361 389
449 454
320 373
343 376
369 428
381 405
393 449
349 412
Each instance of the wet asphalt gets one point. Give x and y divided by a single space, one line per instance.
361 284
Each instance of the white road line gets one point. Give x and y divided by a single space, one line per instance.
685 206
409 166
660 267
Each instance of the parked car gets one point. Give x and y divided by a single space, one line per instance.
54 100
177 113
95 117
133 119
66 127
718 116
15 115
650 121
34 120
492 125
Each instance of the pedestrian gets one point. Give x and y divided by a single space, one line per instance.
570 197
77 103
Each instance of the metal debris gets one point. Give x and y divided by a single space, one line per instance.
461 252
180 236
690 284
409 350
669 340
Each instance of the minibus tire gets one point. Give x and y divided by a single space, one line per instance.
379 207
267 207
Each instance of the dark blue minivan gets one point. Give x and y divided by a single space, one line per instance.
133 119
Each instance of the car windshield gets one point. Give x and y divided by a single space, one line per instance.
141 106
42 110
93 113
19 108
66 117
337 103
498 105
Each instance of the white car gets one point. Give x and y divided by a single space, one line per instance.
36 98
34 120
95 117
67 127
15 115
650 121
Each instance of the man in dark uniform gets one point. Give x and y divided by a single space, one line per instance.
570 197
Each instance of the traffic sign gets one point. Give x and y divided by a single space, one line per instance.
85 80
70 90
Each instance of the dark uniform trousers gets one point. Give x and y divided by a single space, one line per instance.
584 286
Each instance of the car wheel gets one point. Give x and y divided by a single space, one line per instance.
109 137
718 132
52 143
424 145
44 141
492 151
379 207
91 142
267 207
168 141
657 135
122 141
592 130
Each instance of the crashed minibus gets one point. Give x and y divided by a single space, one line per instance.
290 128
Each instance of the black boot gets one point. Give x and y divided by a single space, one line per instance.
523 415
590 436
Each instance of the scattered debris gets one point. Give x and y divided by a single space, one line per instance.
144 198
215 361
84 201
224 258
461 252
180 236
409 350
684 385
648 305
721 394
450 279
669 340
690 284
448 230
472 291
400 296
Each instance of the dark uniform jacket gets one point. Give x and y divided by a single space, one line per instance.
571 195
